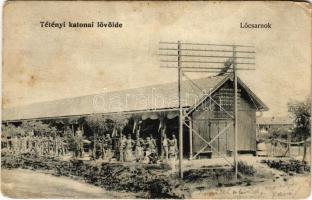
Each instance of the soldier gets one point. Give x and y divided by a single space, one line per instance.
37 142
165 147
128 150
51 145
62 147
38 145
44 150
150 151
21 144
122 145
173 147
148 146
58 150
153 145
77 147
28 143
15 145
33 149
102 145
79 142
139 154
108 147
79 132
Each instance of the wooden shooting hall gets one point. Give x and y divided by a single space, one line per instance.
154 110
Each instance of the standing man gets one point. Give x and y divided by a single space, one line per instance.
128 152
165 148
103 145
153 145
173 147
122 145
79 143
139 150
108 147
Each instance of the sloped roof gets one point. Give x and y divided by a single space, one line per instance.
274 121
154 97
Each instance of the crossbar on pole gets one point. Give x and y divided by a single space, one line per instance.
208 56
204 62
204 68
206 44
211 50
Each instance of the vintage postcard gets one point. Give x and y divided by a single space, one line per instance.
156 99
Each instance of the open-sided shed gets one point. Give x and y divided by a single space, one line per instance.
157 107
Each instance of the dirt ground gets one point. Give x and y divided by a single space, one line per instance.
267 183
206 178
21 183
294 187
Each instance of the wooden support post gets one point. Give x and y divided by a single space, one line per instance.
161 138
180 113
226 139
218 142
191 137
289 141
299 149
235 113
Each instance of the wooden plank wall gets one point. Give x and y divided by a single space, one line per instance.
209 129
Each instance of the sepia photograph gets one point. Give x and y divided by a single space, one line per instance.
156 100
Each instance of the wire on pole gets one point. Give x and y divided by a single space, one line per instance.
203 55
206 44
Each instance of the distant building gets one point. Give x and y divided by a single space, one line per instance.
266 124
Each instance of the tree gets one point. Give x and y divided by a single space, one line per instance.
11 131
281 132
38 127
119 121
103 124
301 111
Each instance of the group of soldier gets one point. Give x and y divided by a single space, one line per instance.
104 148
126 149
146 150
37 146
123 148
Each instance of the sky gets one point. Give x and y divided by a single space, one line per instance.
42 64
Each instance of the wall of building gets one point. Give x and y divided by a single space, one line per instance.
208 128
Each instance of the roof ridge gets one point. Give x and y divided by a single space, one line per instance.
122 90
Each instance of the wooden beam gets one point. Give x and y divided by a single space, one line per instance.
180 114
235 115
191 137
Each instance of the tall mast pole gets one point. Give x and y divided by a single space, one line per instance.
180 112
202 57
235 111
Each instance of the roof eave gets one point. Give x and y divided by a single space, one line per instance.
254 96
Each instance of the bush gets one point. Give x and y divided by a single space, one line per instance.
288 166
245 169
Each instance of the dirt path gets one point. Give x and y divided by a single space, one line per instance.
19 183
